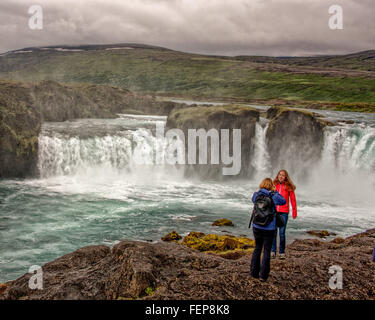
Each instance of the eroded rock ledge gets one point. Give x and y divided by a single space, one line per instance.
132 270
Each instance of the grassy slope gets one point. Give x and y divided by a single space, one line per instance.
167 72
357 61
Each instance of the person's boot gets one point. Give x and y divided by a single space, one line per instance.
282 256
273 255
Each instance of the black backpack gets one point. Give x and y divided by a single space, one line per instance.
263 211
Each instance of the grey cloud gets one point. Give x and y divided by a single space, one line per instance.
261 27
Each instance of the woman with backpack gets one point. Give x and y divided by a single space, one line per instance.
285 187
264 226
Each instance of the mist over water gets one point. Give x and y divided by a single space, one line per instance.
92 189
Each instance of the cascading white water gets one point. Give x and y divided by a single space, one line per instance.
64 155
129 152
261 159
346 171
349 148
345 148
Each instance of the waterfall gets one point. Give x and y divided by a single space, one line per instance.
346 170
261 159
349 148
121 152
128 146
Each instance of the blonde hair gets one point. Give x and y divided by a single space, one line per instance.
267 184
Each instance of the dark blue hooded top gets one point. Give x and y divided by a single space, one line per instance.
278 200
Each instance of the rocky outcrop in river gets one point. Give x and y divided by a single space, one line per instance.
217 117
294 139
20 124
140 270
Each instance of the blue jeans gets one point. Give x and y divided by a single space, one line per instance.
282 235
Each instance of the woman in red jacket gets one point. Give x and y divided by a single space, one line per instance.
285 187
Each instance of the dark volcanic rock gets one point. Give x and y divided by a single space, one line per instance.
20 124
173 271
217 117
321 233
294 139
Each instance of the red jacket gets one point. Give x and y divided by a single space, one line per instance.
282 189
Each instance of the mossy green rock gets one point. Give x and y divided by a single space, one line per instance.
223 222
227 246
172 236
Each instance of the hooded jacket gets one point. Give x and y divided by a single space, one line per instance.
283 190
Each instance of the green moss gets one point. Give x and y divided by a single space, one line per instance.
223 222
172 236
149 291
218 244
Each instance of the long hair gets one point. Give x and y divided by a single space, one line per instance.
288 182
267 184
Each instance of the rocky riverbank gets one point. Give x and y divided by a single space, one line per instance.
169 270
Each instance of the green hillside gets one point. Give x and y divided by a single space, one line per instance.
166 72
356 61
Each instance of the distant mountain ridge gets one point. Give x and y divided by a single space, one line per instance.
87 47
302 60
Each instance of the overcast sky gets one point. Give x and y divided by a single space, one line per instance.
225 27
